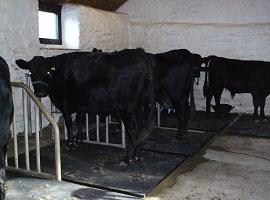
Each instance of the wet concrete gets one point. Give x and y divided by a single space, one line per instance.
23 188
234 168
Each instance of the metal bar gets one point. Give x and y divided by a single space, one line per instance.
40 123
25 119
87 126
189 130
6 160
52 113
37 139
123 133
65 131
53 123
110 119
15 143
97 127
107 129
103 143
31 173
158 115
28 82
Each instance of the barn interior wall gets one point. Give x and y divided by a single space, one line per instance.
234 29
19 37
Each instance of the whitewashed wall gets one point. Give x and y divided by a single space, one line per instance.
19 34
233 28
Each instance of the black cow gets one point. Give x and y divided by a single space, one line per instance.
173 78
117 83
6 115
237 76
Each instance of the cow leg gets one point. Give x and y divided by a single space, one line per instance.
262 105
208 101
146 126
217 95
68 122
79 121
192 101
256 103
217 98
130 127
3 151
182 112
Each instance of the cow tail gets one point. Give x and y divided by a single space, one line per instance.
206 81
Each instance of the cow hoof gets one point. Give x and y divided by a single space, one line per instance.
131 161
76 144
256 121
123 164
70 146
264 120
182 138
138 159
66 147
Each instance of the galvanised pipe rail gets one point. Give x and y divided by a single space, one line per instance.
52 122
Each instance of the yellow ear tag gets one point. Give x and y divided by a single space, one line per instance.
53 68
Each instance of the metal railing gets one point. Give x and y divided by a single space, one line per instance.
28 94
97 139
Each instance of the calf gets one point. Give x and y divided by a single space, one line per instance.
119 83
6 115
237 76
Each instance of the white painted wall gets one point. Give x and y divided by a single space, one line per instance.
233 28
19 34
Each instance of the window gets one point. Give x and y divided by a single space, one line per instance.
50 31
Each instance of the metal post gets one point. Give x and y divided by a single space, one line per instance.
26 146
123 145
158 115
110 119
37 139
6 160
97 127
107 129
53 116
87 126
50 119
40 120
15 143
28 82
65 131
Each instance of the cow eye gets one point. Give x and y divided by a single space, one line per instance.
29 73
48 73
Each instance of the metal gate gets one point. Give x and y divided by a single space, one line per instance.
55 113
21 109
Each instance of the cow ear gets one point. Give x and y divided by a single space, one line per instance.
22 64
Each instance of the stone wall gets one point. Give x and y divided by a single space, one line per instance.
233 28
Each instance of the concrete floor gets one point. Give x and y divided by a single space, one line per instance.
23 188
230 168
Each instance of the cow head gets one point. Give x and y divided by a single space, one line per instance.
40 72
